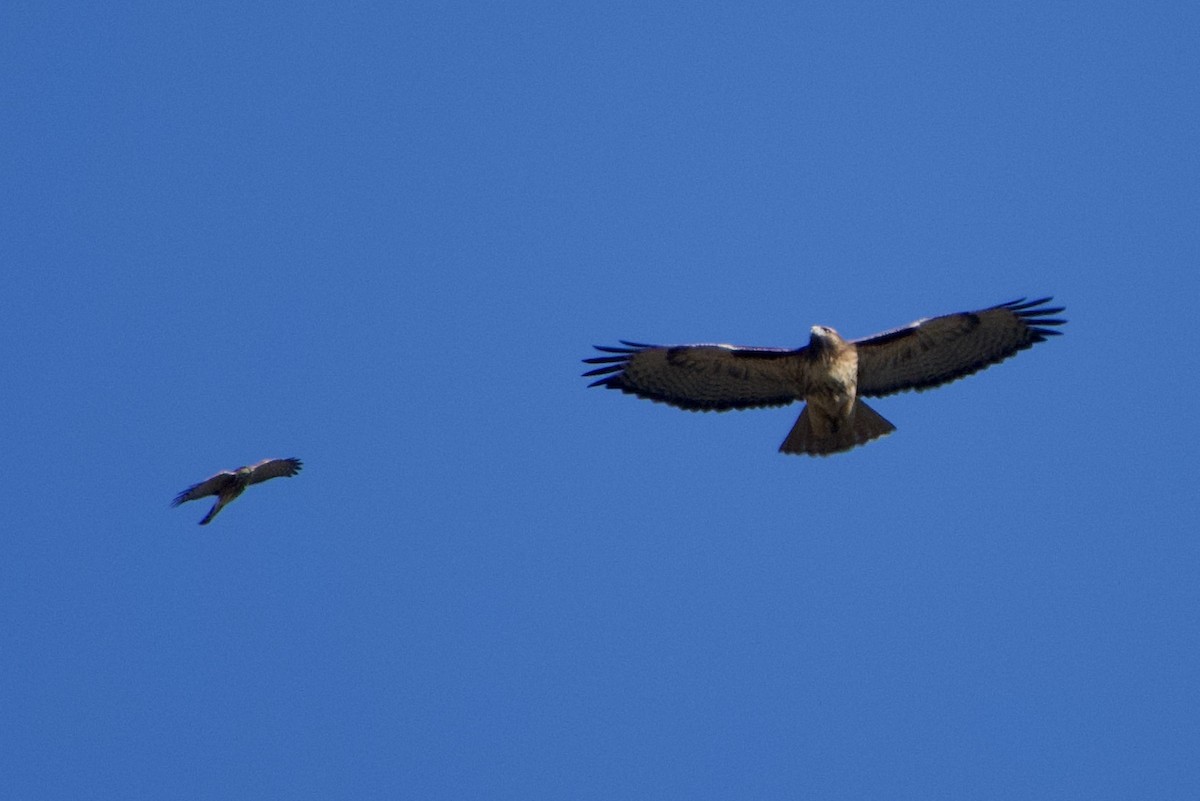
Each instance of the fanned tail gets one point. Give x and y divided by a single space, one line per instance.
863 425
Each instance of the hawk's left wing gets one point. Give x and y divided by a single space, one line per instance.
932 352
702 377
274 468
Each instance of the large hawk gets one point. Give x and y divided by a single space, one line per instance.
228 484
830 373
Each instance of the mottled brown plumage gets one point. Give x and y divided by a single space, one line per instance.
831 374
229 484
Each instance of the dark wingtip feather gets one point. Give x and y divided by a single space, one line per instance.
614 363
1038 317
1035 314
612 368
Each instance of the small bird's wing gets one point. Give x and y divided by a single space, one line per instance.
274 468
702 377
210 486
932 352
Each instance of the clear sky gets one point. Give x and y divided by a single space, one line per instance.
381 236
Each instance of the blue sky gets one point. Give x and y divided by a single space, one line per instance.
380 237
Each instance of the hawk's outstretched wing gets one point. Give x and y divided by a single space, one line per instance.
702 377
209 486
938 350
274 468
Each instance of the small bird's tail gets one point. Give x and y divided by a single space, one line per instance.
863 425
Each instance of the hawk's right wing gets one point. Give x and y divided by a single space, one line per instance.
702 377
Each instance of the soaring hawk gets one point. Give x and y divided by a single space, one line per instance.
831 374
228 484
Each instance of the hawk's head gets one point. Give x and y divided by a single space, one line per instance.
824 336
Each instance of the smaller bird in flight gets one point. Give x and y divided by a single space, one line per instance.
228 484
